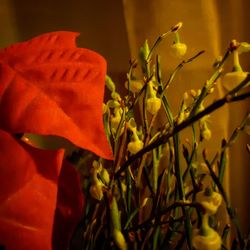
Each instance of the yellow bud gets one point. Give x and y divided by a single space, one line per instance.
232 79
185 96
210 202
96 190
116 96
135 146
144 51
97 166
178 49
116 119
153 105
181 117
186 114
119 239
211 241
124 187
210 91
113 104
105 176
206 134
109 83
193 93
135 85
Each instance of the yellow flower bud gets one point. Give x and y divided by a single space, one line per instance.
124 187
178 49
206 134
96 190
135 146
116 96
144 51
185 96
206 238
193 93
135 85
153 105
211 241
105 176
116 119
97 166
210 201
113 104
109 83
119 239
232 79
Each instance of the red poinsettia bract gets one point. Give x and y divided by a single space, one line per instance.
48 86
51 87
31 181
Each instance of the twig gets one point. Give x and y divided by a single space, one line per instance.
164 138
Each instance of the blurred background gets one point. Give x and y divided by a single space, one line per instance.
116 29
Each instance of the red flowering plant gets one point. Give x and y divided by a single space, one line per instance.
48 86
156 192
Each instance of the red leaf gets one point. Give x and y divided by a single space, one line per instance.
49 86
28 195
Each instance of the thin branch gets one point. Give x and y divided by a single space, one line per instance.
228 98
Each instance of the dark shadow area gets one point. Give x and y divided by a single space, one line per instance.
100 23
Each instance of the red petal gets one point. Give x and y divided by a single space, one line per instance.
28 195
51 87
